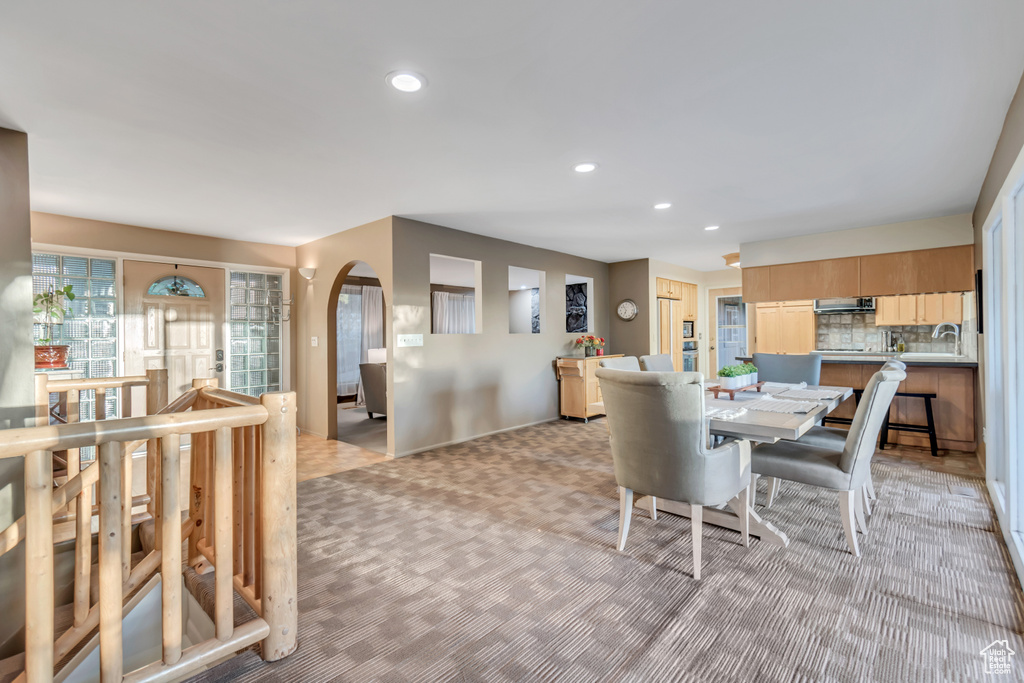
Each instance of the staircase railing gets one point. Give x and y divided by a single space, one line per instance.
241 521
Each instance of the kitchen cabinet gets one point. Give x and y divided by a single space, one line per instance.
954 406
825 279
579 391
670 328
756 284
919 309
785 327
669 289
946 269
689 297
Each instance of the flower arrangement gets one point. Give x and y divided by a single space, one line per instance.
591 345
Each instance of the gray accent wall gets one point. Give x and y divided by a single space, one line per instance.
16 368
457 387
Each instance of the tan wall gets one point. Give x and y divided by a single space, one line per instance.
316 313
1008 149
83 233
946 231
16 367
630 280
456 387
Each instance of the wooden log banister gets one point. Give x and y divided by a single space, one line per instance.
241 521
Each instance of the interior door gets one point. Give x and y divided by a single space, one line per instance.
728 327
180 333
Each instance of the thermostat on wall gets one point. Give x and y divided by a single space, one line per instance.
410 340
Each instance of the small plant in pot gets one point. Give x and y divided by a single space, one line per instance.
751 372
50 309
729 377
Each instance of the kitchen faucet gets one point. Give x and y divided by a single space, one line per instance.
955 332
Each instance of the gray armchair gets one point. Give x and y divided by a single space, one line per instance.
624 363
659 449
844 469
375 387
775 367
659 363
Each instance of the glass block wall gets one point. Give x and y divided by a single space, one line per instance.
255 348
91 329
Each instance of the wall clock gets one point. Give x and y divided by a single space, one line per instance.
627 310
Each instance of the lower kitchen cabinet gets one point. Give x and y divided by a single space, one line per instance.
953 407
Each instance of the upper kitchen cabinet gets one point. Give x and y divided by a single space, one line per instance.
948 269
670 289
831 278
690 297
757 284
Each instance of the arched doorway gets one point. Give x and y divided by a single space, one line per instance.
357 339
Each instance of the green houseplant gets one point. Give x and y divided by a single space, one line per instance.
50 308
730 376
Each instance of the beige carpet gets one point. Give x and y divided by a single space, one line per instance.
494 560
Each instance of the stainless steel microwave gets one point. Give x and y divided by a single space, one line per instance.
687 329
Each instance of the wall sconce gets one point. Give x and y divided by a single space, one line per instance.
307 273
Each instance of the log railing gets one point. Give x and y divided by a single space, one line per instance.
241 524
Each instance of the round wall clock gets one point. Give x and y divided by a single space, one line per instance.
627 310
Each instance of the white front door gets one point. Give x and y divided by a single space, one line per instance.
180 333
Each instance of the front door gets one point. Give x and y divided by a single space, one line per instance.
727 333
174 320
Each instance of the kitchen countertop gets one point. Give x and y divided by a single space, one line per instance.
873 357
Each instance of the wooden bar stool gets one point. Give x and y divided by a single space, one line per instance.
928 428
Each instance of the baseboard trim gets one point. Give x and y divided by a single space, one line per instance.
473 438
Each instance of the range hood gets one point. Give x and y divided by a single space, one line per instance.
825 306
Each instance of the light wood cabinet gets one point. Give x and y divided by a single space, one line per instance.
689 294
785 327
919 309
947 269
670 289
670 326
954 405
757 284
815 279
579 392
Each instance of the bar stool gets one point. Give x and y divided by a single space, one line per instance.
928 428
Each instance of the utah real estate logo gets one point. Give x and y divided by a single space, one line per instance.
998 657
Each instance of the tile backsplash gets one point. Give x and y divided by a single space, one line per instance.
857 332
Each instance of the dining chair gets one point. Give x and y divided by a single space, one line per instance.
659 449
833 437
659 363
789 369
844 468
624 363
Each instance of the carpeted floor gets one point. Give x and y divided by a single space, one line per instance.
357 428
494 560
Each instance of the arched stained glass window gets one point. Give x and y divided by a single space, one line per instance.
176 285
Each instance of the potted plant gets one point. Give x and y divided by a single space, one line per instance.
50 308
729 377
752 370
592 346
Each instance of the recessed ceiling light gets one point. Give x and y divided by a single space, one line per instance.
711 227
406 81
585 167
663 205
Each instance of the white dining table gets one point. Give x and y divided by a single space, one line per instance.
760 427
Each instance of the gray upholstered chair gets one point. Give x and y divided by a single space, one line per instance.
791 369
844 469
833 437
659 363
659 449
623 363
375 387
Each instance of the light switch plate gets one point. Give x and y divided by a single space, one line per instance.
410 340
314 341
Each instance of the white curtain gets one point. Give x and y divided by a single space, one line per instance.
350 335
454 313
372 336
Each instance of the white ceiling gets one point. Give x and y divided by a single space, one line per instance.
272 121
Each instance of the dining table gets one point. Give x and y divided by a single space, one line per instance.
737 418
